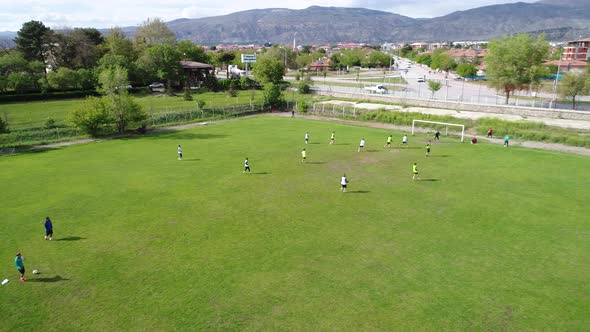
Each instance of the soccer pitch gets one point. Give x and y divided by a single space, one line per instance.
490 238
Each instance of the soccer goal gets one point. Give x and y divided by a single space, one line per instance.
447 125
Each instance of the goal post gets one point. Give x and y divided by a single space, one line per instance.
443 124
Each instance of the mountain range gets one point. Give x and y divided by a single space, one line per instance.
559 19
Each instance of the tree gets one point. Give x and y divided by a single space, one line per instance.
268 70
116 43
122 108
425 59
272 95
514 62
64 78
223 58
4 129
74 49
191 52
154 31
11 62
31 40
572 85
466 69
113 81
352 58
92 116
378 59
162 62
434 86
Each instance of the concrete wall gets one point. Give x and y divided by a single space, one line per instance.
529 112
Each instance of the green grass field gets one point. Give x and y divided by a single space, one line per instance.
34 114
489 239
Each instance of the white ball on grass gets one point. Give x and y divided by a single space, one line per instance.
35 272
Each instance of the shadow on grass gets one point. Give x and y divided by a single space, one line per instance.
314 143
429 180
341 144
260 173
440 156
194 159
358 192
372 150
71 238
184 135
409 147
316 163
48 279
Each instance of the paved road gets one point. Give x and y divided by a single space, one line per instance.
452 90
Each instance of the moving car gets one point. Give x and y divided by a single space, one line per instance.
156 85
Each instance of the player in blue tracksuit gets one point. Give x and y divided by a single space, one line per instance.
48 229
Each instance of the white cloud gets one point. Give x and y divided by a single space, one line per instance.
109 13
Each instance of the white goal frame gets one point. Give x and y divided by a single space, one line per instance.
444 124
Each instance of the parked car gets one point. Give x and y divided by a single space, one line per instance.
156 85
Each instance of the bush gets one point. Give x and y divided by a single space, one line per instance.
302 106
4 126
50 124
187 94
303 87
272 95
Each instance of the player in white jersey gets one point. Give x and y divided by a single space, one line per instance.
343 183
179 152
246 166
361 145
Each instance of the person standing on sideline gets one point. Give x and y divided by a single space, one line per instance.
48 229
415 171
303 155
388 143
246 166
405 140
306 137
437 136
428 149
361 145
332 137
292 113
506 140
20 266
490 132
343 183
179 152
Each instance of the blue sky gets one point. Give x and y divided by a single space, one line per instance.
109 13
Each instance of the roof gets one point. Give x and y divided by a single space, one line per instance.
195 65
566 63
468 53
580 40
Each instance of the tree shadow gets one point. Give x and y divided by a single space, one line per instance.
71 238
184 135
48 279
358 192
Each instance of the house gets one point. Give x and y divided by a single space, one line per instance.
466 54
196 72
319 65
576 50
566 66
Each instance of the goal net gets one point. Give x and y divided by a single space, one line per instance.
444 124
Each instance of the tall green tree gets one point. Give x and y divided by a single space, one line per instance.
268 69
516 62
573 84
162 62
32 39
123 109
223 59
154 31
191 52
466 69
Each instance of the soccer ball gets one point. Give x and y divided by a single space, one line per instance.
35 272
